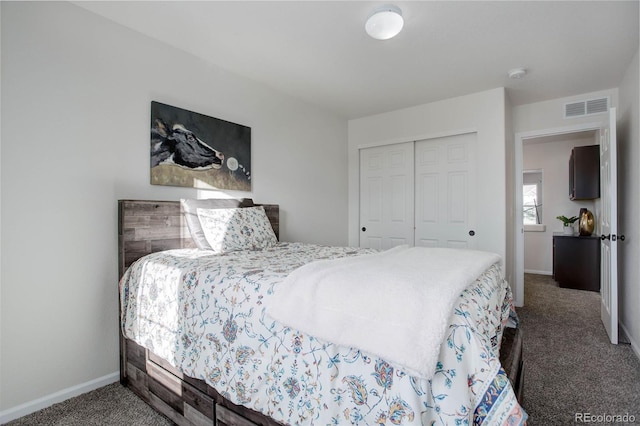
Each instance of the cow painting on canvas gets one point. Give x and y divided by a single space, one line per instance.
180 146
194 150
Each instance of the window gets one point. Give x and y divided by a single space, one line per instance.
532 197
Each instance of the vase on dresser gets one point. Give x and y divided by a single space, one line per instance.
586 223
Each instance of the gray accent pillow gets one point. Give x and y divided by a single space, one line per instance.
190 210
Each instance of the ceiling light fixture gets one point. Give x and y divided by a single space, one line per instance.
385 22
517 73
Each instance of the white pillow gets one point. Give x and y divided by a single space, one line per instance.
237 229
190 209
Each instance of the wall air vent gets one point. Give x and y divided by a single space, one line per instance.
586 107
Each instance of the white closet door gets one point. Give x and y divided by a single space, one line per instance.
445 182
386 196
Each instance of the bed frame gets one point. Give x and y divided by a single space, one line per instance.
146 227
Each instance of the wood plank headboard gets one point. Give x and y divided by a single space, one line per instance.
146 226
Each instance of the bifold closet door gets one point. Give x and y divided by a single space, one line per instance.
387 196
445 195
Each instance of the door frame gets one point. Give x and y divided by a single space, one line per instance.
518 230
435 135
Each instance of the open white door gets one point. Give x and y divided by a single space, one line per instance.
609 228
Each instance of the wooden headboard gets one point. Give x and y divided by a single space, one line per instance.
145 227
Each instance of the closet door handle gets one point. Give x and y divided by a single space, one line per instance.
605 237
472 232
364 229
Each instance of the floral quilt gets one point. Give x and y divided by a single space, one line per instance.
204 313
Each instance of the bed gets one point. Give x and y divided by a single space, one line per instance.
253 370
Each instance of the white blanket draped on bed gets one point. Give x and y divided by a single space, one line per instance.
395 304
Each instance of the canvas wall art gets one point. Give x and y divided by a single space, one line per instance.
194 150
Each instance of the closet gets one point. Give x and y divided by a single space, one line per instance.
419 193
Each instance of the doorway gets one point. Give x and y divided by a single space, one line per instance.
533 137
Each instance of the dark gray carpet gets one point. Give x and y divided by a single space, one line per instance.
112 405
570 368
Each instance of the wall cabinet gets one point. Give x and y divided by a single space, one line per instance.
584 173
576 262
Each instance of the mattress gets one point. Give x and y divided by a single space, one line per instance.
205 314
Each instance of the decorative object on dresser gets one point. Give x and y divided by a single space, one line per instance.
584 173
567 223
576 262
255 362
194 150
586 223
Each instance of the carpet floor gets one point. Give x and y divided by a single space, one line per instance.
111 405
571 370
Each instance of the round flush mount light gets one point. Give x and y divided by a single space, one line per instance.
517 73
385 22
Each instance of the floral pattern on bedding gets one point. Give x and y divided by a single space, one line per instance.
237 229
204 313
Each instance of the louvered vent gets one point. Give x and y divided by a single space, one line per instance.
586 107
596 106
575 109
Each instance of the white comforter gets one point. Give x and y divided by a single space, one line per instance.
395 304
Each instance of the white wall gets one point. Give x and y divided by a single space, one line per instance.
629 203
548 115
553 159
482 112
76 93
545 119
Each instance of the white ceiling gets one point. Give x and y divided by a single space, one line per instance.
318 51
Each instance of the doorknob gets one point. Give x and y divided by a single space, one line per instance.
621 237
364 229
472 232
605 237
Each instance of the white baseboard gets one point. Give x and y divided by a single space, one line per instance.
46 401
533 271
634 345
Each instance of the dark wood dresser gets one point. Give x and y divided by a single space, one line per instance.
576 261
